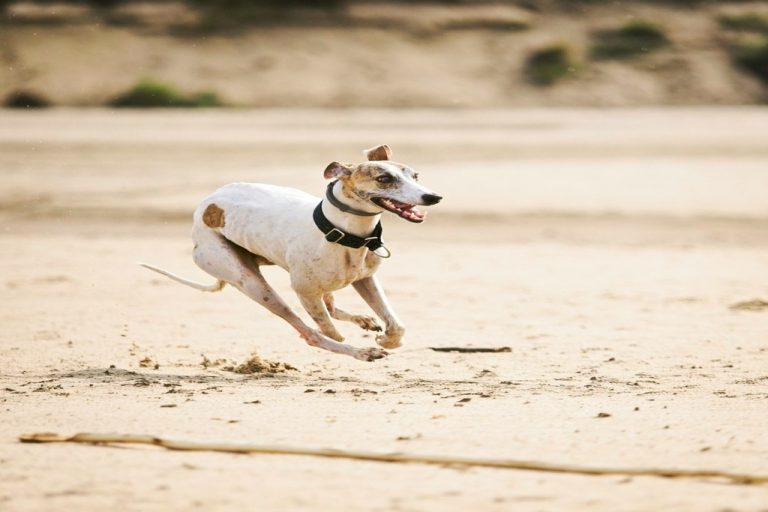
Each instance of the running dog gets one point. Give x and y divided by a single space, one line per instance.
325 245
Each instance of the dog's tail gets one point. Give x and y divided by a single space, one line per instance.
215 287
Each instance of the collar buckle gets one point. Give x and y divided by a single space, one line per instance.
340 234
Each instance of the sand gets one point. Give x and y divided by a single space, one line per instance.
609 249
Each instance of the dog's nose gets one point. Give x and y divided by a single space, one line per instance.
431 199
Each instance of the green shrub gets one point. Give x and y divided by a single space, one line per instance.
635 38
749 21
546 66
153 94
752 57
205 99
26 99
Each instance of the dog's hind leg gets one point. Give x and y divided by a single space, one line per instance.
230 263
363 321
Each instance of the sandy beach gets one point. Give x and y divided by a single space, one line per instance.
606 248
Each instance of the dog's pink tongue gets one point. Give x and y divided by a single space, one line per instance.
414 214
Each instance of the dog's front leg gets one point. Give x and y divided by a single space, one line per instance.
317 310
315 307
371 292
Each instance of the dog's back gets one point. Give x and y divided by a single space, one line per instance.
251 214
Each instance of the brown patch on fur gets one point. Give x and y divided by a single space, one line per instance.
379 153
213 216
364 178
347 259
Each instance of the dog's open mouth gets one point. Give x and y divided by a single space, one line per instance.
407 211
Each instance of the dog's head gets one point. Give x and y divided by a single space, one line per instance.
385 184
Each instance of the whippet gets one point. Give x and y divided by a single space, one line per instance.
325 245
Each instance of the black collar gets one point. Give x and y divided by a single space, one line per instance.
343 207
341 237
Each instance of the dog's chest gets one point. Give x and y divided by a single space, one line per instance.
350 265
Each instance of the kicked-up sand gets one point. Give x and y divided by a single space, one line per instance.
622 255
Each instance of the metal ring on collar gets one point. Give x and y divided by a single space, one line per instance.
385 256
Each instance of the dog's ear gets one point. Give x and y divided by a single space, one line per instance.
336 170
378 153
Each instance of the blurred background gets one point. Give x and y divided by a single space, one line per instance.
342 53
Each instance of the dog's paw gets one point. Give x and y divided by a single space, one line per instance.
366 322
370 354
388 341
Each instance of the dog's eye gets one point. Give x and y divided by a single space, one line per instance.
385 178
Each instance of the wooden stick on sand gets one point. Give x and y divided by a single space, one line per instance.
471 350
441 460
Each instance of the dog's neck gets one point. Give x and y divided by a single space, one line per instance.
356 224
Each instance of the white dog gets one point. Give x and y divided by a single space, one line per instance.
324 245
